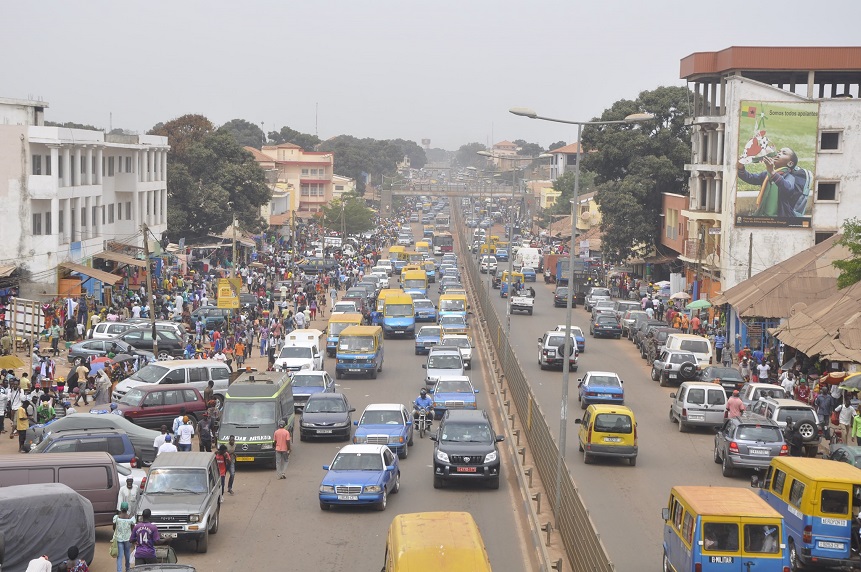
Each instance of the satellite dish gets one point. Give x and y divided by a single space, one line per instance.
797 307
586 217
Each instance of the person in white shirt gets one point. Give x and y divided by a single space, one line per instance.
4 398
787 381
299 318
128 494
762 371
184 435
167 446
136 311
220 356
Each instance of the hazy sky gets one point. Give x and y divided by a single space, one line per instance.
445 70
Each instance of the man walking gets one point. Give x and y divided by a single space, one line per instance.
734 406
282 449
720 342
145 536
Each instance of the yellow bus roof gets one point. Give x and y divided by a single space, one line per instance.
361 330
819 469
386 292
438 541
422 242
724 501
399 299
397 248
450 296
346 317
411 267
415 273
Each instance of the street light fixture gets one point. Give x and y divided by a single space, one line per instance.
566 366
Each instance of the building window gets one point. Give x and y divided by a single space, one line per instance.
110 166
304 171
129 165
128 210
83 164
119 211
83 216
59 166
37 224
826 191
110 213
60 224
341 188
104 162
48 165
831 141
94 166
103 215
823 235
95 215
37 165
48 223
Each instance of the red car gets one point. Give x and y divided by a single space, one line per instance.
157 405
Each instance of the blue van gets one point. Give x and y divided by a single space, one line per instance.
360 351
399 316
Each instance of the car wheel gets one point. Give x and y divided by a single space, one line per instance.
665 563
794 564
164 356
438 482
664 379
717 456
583 404
214 528
682 427
587 458
302 436
633 461
203 543
618 336
397 485
338 374
807 430
493 483
654 374
405 452
373 373
324 506
417 352
579 446
672 417
410 442
726 467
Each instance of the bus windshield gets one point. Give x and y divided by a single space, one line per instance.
356 343
451 305
414 284
399 310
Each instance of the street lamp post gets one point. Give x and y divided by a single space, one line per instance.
566 366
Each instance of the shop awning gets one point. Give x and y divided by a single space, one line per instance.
99 275
7 270
806 277
121 258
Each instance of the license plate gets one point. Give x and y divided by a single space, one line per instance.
348 497
167 534
466 469
604 395
244 459
613 439
324 431
831 545
354 370
696 417
722 559
672 376
758 451
399 331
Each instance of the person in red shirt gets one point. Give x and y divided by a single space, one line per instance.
695 324
222 459
734 406
282 449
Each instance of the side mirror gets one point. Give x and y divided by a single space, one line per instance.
409 422
431 390
356 423
351 410
500 438
390 468
540 340
325 467
754 481
580 383
424 366
578 421
673 395
621 381
475 390
434 437
665 513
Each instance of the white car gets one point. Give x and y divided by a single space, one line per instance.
385 265
488 265
464 344
105 330
383 276
344 308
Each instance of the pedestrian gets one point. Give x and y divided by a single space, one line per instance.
4 401
222 459
167 446
22 424
123 524
239 353
823 405
794 439
735 406
178 421
16 397
55 337
726 356
75 564
145 536
209 392
231 466
282 449
744 369
846 419
762 371
159 440
720 342
787 381
856 429
129 495
40 564
204 429
184 435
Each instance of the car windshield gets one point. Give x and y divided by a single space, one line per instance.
467 433
415 284
133 397
613 423
797 413
725 373
601 292
557 341
697 396
561 292
451 306
606 319
458 342
295 352
174 480
357 462
325 406
429 332
345 307
696 346
452 320
758 433
604 381
382 417
423 304
445 362
248 412
682 358
305 380
356 343
604 304
399 310
452 386
149 373
335 328
774 391
527 270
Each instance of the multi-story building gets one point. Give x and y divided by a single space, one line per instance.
310 172
505 156
342 186
564 159
69 193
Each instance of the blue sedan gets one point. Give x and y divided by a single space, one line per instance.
528 273
426 338
501 255
425 310
360 475
578 336
600 387
386 424
453 392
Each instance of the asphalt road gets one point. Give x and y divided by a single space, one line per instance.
625 502
274 524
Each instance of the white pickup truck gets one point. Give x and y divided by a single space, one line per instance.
523 301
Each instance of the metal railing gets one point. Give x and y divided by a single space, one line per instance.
582 542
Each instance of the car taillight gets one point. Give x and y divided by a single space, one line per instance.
635 432
591 393
807 535
698 567
733 447
684 411
143 483
589 435
134 462
784 450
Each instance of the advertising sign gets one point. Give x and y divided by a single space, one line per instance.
228 294
776 164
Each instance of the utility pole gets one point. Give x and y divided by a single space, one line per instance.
233 275
149 288
749 254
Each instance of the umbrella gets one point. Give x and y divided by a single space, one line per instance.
698 305
120 358
680 296
851 382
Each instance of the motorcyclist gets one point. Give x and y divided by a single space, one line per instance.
423 401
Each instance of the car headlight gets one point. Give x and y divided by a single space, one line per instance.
359 440
442 456
194 518
267 446
373 489
306 366
490 457
396 439
327 489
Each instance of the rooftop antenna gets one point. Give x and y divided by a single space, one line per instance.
110 121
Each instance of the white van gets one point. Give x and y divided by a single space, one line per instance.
302 350
527 257
697 345
193 372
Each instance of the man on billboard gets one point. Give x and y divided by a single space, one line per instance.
784 188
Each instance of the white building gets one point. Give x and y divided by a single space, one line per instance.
68 193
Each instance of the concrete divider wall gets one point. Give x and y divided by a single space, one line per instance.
582 543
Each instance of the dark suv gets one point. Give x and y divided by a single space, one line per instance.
466 449
748 442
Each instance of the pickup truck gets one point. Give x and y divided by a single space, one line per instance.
523 301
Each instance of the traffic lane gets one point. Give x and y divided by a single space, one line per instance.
611 488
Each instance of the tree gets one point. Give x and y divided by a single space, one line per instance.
467 156
287 135
850 268
565 185
182 132
528 149
557 145
634 164
361 158
72 125
247 134
350 213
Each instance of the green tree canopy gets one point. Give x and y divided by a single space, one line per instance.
467 156
528 149
557 145
850 268
247 134
72 125
182 132
287 135
358 158
634 164
565 185
350 209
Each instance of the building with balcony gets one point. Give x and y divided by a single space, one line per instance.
68 193
342 185
564 159
310 172
505 156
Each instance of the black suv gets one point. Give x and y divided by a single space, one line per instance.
560 296
466 449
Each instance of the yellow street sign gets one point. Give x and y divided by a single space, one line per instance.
228 294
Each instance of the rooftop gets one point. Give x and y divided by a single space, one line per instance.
764 58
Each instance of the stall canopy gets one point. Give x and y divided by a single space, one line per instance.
121 258
7 270
807 276
100 275
829 328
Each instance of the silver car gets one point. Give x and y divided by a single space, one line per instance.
748 442
698 404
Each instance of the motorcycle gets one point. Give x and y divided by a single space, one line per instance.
424 422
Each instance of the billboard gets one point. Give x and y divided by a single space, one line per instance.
776 163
